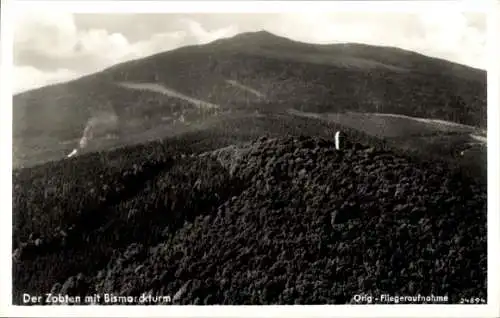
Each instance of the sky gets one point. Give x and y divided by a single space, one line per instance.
52 47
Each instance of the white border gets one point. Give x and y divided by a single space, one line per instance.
6 161
90 6
493 51
490 310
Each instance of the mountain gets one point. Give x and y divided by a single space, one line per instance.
210 174
252 73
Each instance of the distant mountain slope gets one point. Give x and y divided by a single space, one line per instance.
250 72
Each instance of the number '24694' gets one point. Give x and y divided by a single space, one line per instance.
472 300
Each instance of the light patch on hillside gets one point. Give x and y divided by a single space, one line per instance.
157 88
245 88
438 122
98 126
394 125
481 139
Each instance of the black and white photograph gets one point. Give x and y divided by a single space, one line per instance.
328 157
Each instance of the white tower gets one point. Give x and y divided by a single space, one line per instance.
339 140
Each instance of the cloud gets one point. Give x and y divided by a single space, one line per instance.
53 46
453 35
52 38
52 33
202 36
29 77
